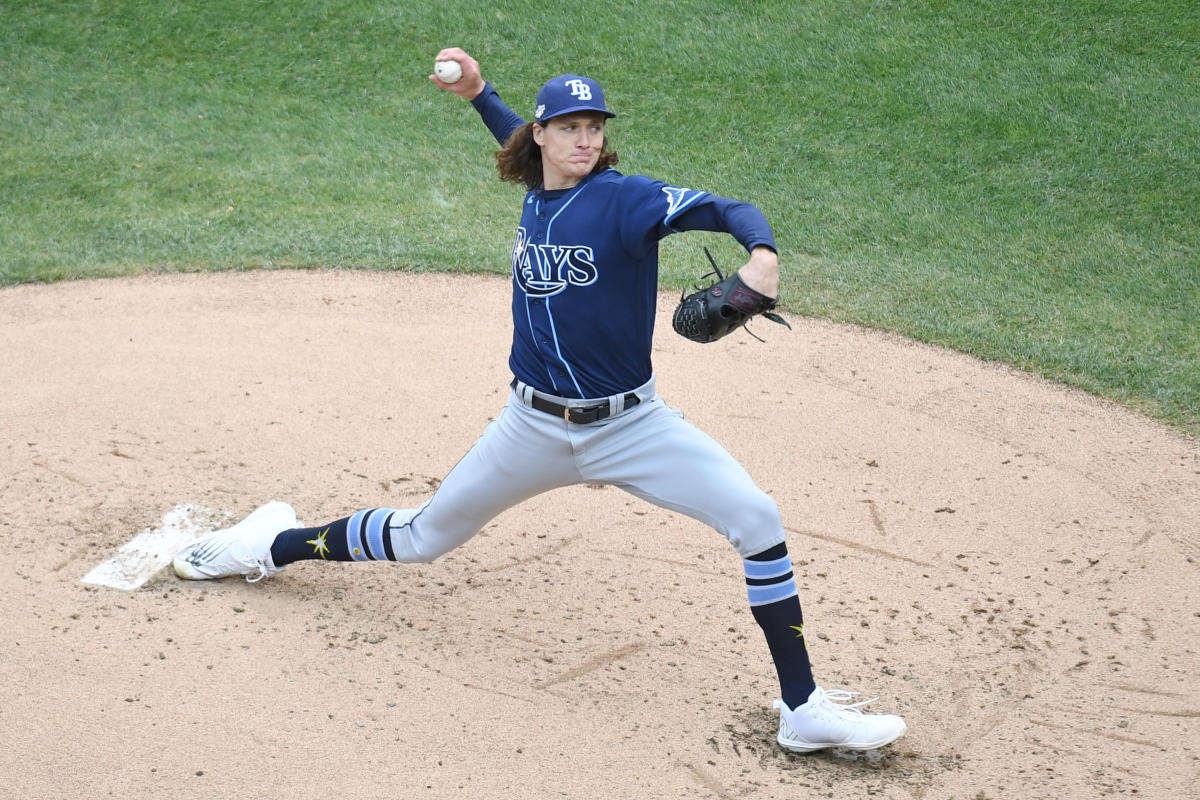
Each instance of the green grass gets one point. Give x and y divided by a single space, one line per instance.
1014 181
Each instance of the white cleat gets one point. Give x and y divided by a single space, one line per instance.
827 719
244 549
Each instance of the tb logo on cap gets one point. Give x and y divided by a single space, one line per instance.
580 89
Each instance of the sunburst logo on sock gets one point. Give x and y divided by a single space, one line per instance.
799 629
319 545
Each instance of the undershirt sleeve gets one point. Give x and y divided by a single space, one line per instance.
740 220
499 118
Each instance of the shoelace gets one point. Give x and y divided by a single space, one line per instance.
252 577
839 699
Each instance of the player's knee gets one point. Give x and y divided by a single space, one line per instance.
424 549
757 526
419 540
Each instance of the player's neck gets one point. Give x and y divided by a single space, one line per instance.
555 182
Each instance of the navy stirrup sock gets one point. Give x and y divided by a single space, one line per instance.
327 542
361 537
775 605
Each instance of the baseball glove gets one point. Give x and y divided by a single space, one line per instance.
709 314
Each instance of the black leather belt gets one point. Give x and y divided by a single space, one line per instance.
579 415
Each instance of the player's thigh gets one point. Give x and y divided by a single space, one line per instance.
671 463
516 457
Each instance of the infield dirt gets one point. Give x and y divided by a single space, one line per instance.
1010 565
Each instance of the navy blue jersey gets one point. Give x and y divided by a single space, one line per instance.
585 270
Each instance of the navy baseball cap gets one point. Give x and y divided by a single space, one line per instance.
567 94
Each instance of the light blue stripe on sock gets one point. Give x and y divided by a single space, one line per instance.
768 569
764 595
374 535
354 542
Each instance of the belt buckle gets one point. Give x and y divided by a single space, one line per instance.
585 415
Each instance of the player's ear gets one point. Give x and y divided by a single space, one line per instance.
539 134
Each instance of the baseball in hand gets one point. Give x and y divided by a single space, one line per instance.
447 71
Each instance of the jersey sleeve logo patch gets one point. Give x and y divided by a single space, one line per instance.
679 198
542 270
